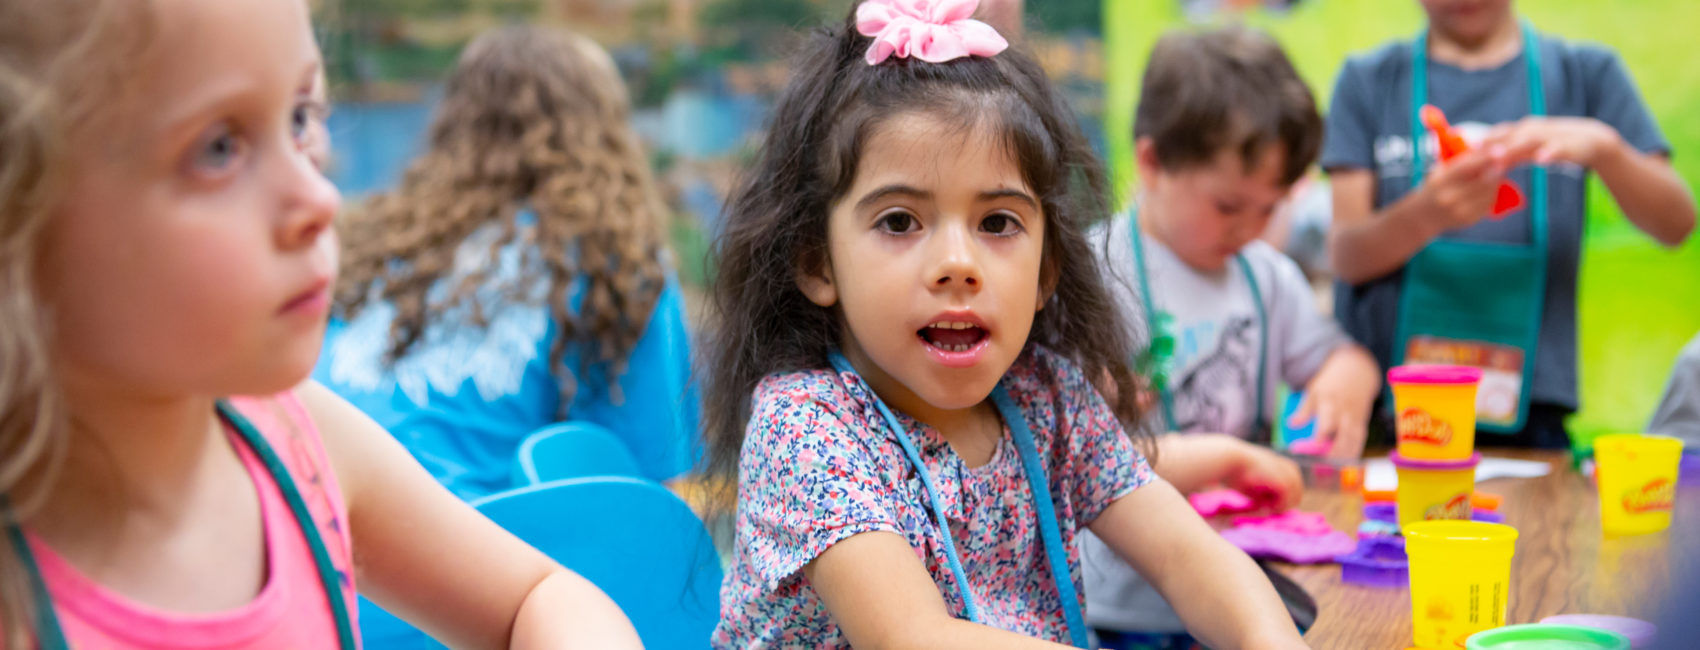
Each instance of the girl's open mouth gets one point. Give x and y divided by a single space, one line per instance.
952 336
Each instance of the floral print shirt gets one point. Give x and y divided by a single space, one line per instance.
819 464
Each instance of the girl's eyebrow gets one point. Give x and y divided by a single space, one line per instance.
893 190
1009 194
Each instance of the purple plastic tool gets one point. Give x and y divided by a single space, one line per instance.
1289 546
1221 502
1376 562
1688 473
1388 512
1641 633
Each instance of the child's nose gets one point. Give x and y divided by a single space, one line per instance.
958 265
310 204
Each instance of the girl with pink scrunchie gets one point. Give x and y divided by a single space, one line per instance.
914 379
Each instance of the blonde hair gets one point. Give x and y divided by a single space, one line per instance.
63 67
533 118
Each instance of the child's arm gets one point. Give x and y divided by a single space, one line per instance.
1221 595
1648 189
430 558
881 596
1192 462
1364 244
1340 397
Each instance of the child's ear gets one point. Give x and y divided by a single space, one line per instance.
814 278
1145 160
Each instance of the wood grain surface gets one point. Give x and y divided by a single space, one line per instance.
1562 564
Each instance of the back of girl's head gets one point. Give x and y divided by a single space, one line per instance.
63 68
1229 89
532 118
776 222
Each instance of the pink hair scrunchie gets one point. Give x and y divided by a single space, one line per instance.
934 31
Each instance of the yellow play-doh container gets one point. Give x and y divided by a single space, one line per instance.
1436 410
1431 490
1637 479
1460 579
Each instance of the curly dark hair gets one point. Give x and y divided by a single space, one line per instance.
776 222
533 118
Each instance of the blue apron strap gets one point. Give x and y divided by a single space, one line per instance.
1262 423
1040 485
1055 553
1163 394
49 635
1167 396
303 519
971 610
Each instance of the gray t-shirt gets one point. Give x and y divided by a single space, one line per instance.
1213 375
1369 127
1215 327
1678 413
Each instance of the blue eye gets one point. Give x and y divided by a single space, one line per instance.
303 117
217 152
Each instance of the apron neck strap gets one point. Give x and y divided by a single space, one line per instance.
1056 554
1260 423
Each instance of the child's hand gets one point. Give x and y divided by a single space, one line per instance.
1273 480
1340 398
1544 140
1460 192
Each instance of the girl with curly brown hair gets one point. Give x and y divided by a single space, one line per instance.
517 276
911 342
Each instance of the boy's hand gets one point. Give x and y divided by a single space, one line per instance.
1545 140
1273 480
1460 192
1340 398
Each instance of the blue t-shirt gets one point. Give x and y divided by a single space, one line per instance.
464 398
1369 127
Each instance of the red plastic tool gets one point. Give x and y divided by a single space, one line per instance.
1452 144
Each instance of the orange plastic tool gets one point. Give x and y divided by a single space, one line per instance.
1452 144
1486 501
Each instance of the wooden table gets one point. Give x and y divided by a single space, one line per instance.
1562 564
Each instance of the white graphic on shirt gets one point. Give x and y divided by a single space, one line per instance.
450 352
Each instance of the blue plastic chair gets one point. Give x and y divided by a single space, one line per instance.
572 450
633 539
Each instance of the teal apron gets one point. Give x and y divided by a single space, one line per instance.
51 637
1261 431
1478 303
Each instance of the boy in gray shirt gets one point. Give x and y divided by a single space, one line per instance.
1224 130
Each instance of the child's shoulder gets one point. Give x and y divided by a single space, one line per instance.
1268 260
809 398
811 384
1387 58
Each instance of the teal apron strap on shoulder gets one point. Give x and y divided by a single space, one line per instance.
51 636
1447 314
1261 430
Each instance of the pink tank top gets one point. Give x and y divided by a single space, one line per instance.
291 610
